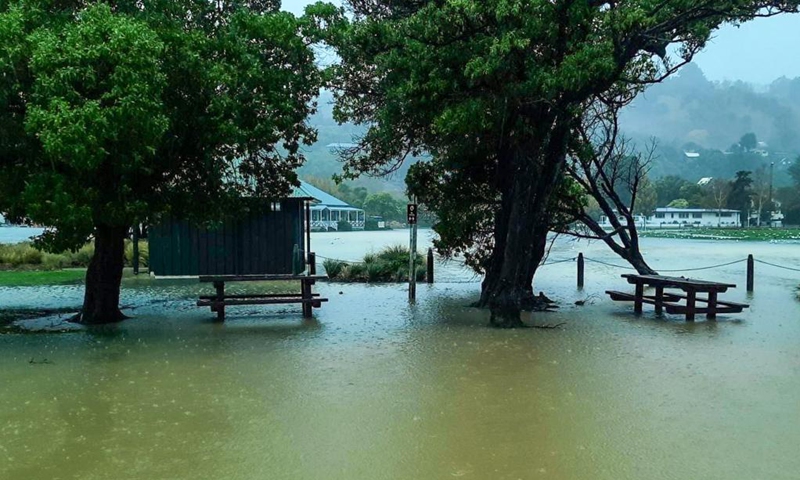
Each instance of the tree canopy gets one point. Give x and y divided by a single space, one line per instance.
494 91
116 113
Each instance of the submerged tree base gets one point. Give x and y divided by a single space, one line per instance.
510 318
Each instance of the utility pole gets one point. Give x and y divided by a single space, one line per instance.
411 213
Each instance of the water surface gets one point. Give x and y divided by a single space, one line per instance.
375 388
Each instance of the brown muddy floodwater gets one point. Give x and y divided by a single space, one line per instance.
376 389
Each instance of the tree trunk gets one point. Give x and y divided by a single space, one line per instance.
101 298
524 221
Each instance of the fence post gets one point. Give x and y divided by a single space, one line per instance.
429 275
312 263
135 259
580 270
750 272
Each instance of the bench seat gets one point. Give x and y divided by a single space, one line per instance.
316 302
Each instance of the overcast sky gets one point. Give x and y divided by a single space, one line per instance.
757 52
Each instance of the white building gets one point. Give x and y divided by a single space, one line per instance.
668 217
327 211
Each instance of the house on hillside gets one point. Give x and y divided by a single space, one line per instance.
327 211
705 181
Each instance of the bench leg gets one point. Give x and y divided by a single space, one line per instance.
659 299
637 301
219 301
305 290
712 305
690 305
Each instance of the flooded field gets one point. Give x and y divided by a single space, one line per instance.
375 388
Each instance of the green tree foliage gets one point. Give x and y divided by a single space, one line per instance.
740 196
669 188
678 203
493 90
386 206
646 198
748 141
114 114
789 197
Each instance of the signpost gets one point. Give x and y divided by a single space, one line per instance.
411 214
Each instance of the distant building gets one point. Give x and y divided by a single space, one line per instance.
668 217
691 154
327 211
705 181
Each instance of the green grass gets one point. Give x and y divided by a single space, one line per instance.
27 278
745 234
388 265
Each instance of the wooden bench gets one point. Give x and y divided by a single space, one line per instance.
670 305
669 300
220 300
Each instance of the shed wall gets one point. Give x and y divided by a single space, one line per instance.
262 243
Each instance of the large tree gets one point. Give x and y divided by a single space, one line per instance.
494 90
113 114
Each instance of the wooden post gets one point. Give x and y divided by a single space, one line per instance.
312 263
305 294
750 272
219 301
659 299
690 304
308 230
429 276
712 305
637 299
135 259
580 270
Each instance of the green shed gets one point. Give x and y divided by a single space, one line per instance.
272 239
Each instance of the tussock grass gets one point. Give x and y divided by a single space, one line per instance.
388 265
24 256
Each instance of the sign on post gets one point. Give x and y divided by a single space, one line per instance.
411 212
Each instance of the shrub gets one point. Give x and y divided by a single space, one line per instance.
388 265
356 272
144 253
344 226
20 254
333 268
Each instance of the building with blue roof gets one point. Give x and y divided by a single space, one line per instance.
327 211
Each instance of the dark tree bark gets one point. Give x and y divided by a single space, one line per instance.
523 223
101 298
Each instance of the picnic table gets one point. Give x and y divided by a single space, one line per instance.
220 300
669 301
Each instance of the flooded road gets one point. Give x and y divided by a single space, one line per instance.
376 389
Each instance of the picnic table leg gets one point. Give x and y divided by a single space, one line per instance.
305 293
712 305
691 296
659 299
219 301
637 301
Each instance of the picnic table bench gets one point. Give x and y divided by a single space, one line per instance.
220 300
669 300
